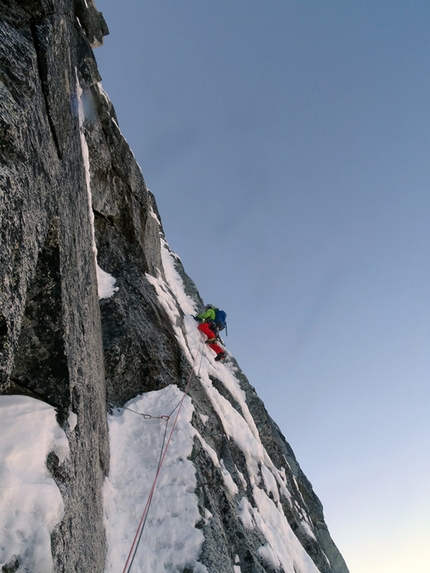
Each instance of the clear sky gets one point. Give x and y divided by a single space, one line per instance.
287 144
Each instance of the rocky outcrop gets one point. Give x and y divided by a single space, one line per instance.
51 343
68 178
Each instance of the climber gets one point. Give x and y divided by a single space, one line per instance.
212 320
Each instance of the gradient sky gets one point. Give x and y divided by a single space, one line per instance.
287 144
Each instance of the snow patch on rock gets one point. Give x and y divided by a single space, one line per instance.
30 501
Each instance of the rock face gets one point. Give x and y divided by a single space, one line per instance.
69 183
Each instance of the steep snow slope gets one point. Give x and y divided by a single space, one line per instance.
171 541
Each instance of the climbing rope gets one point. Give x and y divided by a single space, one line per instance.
163 452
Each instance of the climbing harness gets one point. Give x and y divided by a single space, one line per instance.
163 452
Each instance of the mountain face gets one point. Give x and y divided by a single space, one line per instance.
96 328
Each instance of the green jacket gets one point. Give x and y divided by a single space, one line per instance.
207 315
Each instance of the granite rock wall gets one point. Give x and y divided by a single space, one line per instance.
58 342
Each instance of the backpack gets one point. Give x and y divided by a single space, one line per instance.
220 319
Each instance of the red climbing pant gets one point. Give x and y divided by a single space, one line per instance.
206 329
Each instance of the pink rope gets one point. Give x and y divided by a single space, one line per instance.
142 521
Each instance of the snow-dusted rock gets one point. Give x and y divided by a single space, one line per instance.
96 320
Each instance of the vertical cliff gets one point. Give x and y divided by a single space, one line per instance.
51 344
74 206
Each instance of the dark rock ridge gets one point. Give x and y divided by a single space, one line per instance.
58 342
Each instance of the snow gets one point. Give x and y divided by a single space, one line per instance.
105 281
103 93
270 482
269 555
154 216
170 540
32 505
73 420
244 510
30 501
210 451
282 541
228 480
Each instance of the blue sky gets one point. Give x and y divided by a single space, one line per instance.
287 144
